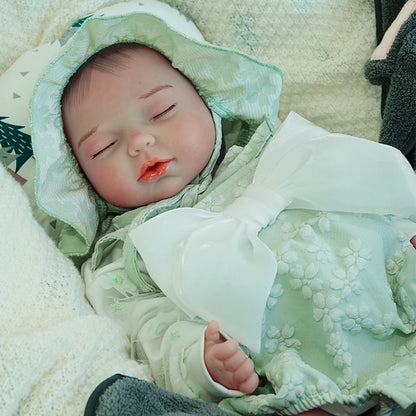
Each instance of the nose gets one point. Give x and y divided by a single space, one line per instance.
138 141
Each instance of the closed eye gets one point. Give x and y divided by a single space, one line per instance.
163 113
101 151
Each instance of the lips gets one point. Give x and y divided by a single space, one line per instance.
154 169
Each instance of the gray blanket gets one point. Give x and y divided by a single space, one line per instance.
127 396
397 76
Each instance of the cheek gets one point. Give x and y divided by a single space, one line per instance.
196 137
106 181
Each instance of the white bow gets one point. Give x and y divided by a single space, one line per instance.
214 265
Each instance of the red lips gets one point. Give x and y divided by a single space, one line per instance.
154 169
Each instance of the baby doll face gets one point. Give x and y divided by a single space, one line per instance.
140 132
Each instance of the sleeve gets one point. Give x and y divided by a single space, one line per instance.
161 334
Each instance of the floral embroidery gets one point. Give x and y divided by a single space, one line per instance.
345 282
293 388
338 350
281 339
322 251
405 301
116 307
385 327
285 258
116 279
355 256
175 335
357 318
305 279
403 239
394 263
325 310
276 292
323 220
348 382
400 373
407 350
304 231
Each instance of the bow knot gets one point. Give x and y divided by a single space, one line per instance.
258 206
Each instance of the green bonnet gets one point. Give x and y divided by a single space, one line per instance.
239 90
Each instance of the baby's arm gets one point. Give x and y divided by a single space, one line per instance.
226 362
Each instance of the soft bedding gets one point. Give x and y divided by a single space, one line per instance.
54 349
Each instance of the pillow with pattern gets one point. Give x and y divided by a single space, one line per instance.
16 87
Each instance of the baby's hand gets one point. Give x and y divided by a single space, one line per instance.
226 362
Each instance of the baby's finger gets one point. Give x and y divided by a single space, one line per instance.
249 385
225 350
235 361
212 333
243 372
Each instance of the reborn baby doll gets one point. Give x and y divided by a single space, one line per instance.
200 218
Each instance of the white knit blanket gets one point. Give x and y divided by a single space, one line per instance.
53 349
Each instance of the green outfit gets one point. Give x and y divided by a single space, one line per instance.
340 316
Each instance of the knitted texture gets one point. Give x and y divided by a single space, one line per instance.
321 47
54 350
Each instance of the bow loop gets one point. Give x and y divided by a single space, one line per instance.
202 263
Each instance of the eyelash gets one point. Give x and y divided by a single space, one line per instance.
164 112
101 151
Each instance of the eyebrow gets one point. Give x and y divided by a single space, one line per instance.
155 90
86 136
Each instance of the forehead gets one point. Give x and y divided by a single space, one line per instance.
146 64
124 59
140 55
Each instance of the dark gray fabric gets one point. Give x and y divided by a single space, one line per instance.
127 396
397 76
